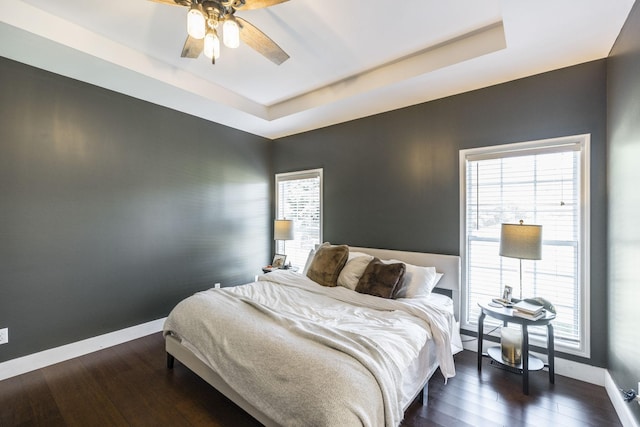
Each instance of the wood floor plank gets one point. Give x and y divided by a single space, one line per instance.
130 385
81 400
132 389
43 406
14 397
473 414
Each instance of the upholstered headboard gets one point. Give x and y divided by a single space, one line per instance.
448 265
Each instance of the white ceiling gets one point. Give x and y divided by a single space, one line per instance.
349 58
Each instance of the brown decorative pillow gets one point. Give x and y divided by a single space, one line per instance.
380 279
327 264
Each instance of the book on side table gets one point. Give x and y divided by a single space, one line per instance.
527 310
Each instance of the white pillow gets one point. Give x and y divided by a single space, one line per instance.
438 277
356 254
312 253
353 270
418 281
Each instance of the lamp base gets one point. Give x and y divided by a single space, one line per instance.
495 354
511 345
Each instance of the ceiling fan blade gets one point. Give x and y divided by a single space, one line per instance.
255 4
260 42
192 47
174 2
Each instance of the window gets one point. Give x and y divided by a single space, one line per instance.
299 198
541 182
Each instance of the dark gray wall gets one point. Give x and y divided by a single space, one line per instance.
623 121
392 180
113 209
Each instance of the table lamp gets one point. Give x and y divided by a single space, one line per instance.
283 230
521 241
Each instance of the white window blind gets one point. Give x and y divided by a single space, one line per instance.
540 184
299 198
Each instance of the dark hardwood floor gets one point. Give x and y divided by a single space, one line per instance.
129 385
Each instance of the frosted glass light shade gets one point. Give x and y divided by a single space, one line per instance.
521 241
283 229
231 34
211 45
196 25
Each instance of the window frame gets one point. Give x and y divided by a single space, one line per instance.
296 175
583 348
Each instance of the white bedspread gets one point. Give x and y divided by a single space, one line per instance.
302 356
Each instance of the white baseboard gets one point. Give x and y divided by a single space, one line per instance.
566 368
622 408
31 362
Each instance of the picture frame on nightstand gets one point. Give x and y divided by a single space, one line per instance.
278 260
507 293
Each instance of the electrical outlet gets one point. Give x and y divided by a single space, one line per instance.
217 285
4 335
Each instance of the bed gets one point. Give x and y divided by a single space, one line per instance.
292 352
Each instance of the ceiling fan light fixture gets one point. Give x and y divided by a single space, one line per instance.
212 45
218 17
196 23
231 33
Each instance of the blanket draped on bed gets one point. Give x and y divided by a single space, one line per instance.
301 357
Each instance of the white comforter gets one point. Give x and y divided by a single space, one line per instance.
302 356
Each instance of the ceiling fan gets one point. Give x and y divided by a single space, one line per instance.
207 17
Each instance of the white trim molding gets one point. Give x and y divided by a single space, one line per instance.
622 408
31 362
581 344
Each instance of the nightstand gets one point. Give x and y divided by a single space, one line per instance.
270 269
529 362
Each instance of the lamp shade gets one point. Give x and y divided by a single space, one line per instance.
521 241
283 229
231 34
212 45
196 23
